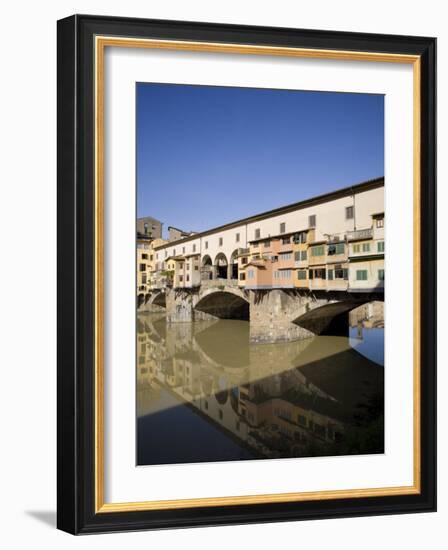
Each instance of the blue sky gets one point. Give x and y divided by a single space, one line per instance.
210 155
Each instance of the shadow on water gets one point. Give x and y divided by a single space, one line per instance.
204 393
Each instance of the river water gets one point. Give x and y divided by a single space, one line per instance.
205 394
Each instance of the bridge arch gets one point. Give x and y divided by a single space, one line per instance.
159 299
224 304
331 318
140 300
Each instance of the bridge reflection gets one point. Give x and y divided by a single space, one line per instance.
205 393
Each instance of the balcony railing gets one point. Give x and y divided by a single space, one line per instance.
359 234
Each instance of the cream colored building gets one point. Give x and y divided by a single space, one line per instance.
335 242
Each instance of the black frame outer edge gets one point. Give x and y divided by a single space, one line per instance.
75 405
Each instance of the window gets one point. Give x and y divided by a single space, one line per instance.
335 249
286 240
317 273
196 268
340 273
349 211
181 278
250 274
188 266
142 267
301 274
151 257
285 256
146 228
361 274
242 276
206 244
188 278
381 274
312 221
356 248
257 233
282 227
366 247
244 261
267 244
380 246
330 274
183 250
220 241
380 222
303 255
144 256
144 278
317 250
300 238
237 238
301 419
194 248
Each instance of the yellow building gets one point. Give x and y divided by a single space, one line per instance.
301 242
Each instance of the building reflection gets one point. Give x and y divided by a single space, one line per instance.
313 397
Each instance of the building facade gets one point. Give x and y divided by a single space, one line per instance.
327 243
149 227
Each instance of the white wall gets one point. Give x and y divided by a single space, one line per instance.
27 399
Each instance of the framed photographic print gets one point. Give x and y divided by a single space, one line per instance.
246 274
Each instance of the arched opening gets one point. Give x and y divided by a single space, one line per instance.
160 300
221 393
140 300
233 266
335 318
221 264
147 297
206 268
224 305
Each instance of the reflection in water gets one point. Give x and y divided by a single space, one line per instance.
205 394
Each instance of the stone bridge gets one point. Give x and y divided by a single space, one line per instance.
275 315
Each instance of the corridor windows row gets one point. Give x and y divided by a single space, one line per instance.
300 256
283 274
318 250
283 256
